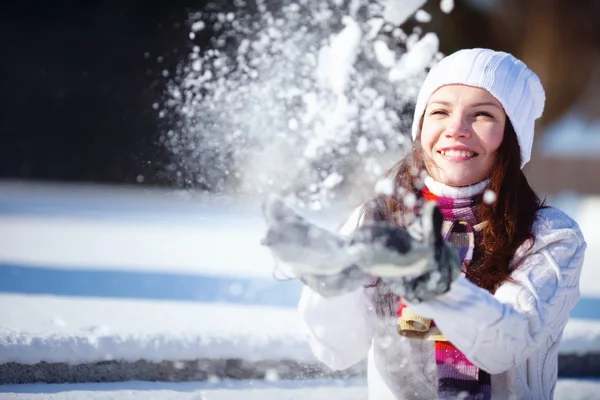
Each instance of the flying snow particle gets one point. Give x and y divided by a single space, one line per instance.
489 197
434 280
362 146
398 11
410 200
385 186
383 54
386 341
447 6
423 16
418 57
332 180
293 124
139 178
198 26
337 60
375 25
271 375
179 365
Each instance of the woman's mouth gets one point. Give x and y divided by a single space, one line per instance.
457 155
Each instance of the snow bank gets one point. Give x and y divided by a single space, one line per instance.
225 390
581 337
119 260
84 330
571 389
588 218
171 246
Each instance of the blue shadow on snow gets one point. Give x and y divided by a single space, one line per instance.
148 285
177 287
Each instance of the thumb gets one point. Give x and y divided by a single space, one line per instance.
431 220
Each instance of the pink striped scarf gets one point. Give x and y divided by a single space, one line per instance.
457 376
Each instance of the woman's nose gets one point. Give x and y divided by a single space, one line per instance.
458 127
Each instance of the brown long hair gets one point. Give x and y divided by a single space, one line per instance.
509 219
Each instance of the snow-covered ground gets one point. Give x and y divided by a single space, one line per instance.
94 273
566 389
35 328
79 330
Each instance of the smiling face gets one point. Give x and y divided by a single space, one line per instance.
462 128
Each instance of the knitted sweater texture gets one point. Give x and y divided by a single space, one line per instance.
513 334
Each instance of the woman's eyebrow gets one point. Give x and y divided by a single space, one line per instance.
484 103
441 102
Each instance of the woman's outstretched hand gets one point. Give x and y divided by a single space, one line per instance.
315 255
415 268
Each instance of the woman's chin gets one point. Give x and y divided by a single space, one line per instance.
458 180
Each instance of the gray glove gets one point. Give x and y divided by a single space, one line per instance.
316 256
415 265
415 268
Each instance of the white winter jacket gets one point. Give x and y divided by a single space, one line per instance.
513 334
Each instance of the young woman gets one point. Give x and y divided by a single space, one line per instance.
487 325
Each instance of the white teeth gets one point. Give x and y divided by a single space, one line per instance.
457 153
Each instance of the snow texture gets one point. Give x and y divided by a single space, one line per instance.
236 309
572 136
279 99
566 389
83 330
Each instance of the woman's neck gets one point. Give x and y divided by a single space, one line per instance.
443 190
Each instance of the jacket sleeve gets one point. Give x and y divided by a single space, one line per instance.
339 329
497 332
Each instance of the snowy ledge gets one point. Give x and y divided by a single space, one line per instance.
76 330
173 371
66 339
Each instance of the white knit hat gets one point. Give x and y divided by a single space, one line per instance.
507 78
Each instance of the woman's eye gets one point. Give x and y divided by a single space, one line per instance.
484 114
439 112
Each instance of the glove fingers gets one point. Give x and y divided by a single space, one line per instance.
385 249
431 220
276 211
383 234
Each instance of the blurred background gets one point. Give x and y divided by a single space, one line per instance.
79 81
134 155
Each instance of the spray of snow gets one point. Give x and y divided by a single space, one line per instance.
295 99
398 11
416 59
